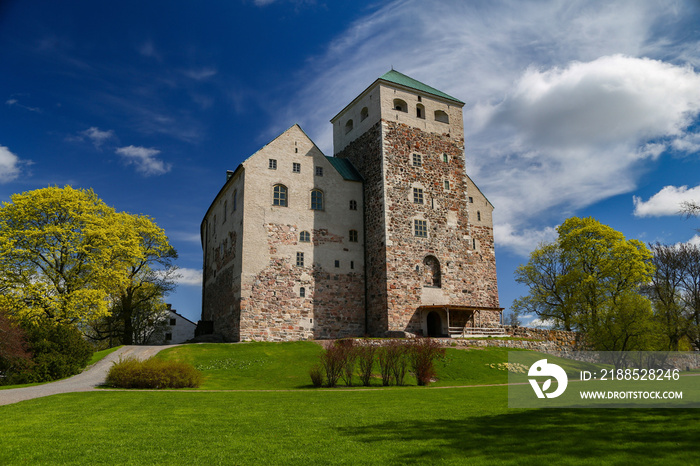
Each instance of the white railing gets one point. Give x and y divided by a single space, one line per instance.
476 331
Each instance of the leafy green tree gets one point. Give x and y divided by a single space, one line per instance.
589 280
137 306
67 256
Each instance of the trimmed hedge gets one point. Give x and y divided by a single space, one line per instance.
153 373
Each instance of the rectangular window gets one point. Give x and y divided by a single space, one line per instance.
319 171
168 336
300 259
296 167
420 228
417 160
272 164
447 185
353 236
471 200
337 264
417 196
353 205
173 322
352 265
444 158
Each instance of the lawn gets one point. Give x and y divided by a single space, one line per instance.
284 421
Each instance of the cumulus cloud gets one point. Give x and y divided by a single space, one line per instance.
666 202
144 159
189 277
9 165
523 241
564 103
97 136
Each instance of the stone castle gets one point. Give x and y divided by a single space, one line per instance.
388 236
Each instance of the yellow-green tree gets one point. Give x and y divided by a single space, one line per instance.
589 280
63 252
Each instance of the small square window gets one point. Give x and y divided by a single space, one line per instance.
173 322
272 164
300 259
337 264
168 337
471 200
296 167
417 196
304 237
319 171
417 160
353 205
420 228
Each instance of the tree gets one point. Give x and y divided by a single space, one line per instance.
591 275
137 307
675 293
66 255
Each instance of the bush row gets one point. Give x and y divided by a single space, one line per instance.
153 373
344 359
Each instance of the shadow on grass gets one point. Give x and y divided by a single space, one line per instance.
593 435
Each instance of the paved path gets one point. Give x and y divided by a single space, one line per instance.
83 382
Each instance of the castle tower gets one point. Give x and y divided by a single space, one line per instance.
430 262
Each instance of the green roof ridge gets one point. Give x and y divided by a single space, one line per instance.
395 77
345 168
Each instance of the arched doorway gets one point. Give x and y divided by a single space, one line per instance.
434 324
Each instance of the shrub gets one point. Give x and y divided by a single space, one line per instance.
316 376
332 362
423 353
398 360
153 373
385 364
349 350
365 356
13 348
58 351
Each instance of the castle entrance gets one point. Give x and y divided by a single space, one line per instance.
434 324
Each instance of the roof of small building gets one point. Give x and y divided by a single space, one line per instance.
345 168
395 77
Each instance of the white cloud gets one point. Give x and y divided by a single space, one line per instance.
565 103
200 74
524 241
666 202
97 136
694 241
144 159
540 323
9 165
189 277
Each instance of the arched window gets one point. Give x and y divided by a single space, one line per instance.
420 111
302 292
348 126
441 116
431 272
400 105
280 195
316 199
304 237
364 113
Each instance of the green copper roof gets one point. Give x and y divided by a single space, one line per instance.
395 77
345 168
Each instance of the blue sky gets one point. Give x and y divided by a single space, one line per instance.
585 108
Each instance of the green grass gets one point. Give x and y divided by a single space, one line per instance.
392 426
249 366
284 422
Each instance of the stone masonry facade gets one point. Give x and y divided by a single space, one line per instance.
402 240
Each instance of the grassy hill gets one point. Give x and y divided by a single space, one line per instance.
300 425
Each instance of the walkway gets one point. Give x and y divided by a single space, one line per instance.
84 382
